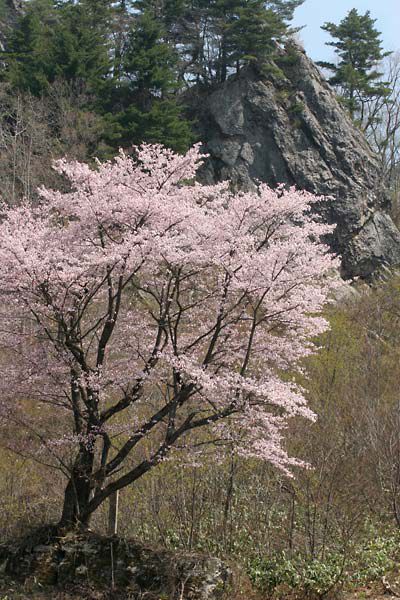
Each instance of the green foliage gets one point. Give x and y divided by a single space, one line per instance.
29 49
67 42
217 38
3 9
162 123
149 62
132 87
150 110
312 577
367 562
131 59
378 556
284 8
81 44
252 33
247 32
359 48
267 574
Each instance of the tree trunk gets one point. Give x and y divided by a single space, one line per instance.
223 65
77 492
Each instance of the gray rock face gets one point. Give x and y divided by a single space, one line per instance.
292 130
132 569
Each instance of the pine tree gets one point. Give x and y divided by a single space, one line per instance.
132 57
28 55
150 110
60 40
81 44
228 34
284 8
217 37
253 33
121 19
359 48
178 20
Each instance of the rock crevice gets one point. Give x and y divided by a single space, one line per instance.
291 129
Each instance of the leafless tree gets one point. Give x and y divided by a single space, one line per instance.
381 124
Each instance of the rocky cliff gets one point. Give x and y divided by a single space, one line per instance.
290 128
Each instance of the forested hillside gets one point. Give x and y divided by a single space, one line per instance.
185 360
121 66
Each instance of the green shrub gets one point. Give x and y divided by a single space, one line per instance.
312 577
375 558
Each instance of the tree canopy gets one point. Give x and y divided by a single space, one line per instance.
132 59
359 48
161 314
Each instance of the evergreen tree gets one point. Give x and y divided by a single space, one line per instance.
167 11
121 19
253 33
217 37
284 8
81 45
60 40
150 110
130 58
247 31
178 20
359 48
28 56
231 33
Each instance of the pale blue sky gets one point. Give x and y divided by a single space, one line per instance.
313 13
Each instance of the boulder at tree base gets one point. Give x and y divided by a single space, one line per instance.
291 129
64 561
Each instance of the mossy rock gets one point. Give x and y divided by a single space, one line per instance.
112 562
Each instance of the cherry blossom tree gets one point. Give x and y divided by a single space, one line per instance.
144 316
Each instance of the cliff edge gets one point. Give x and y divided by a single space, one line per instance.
290 128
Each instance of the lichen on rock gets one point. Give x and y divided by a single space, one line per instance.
291 129
101 562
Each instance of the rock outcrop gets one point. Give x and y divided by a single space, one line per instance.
103 563
291 129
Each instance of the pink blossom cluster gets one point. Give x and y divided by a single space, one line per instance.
141 301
